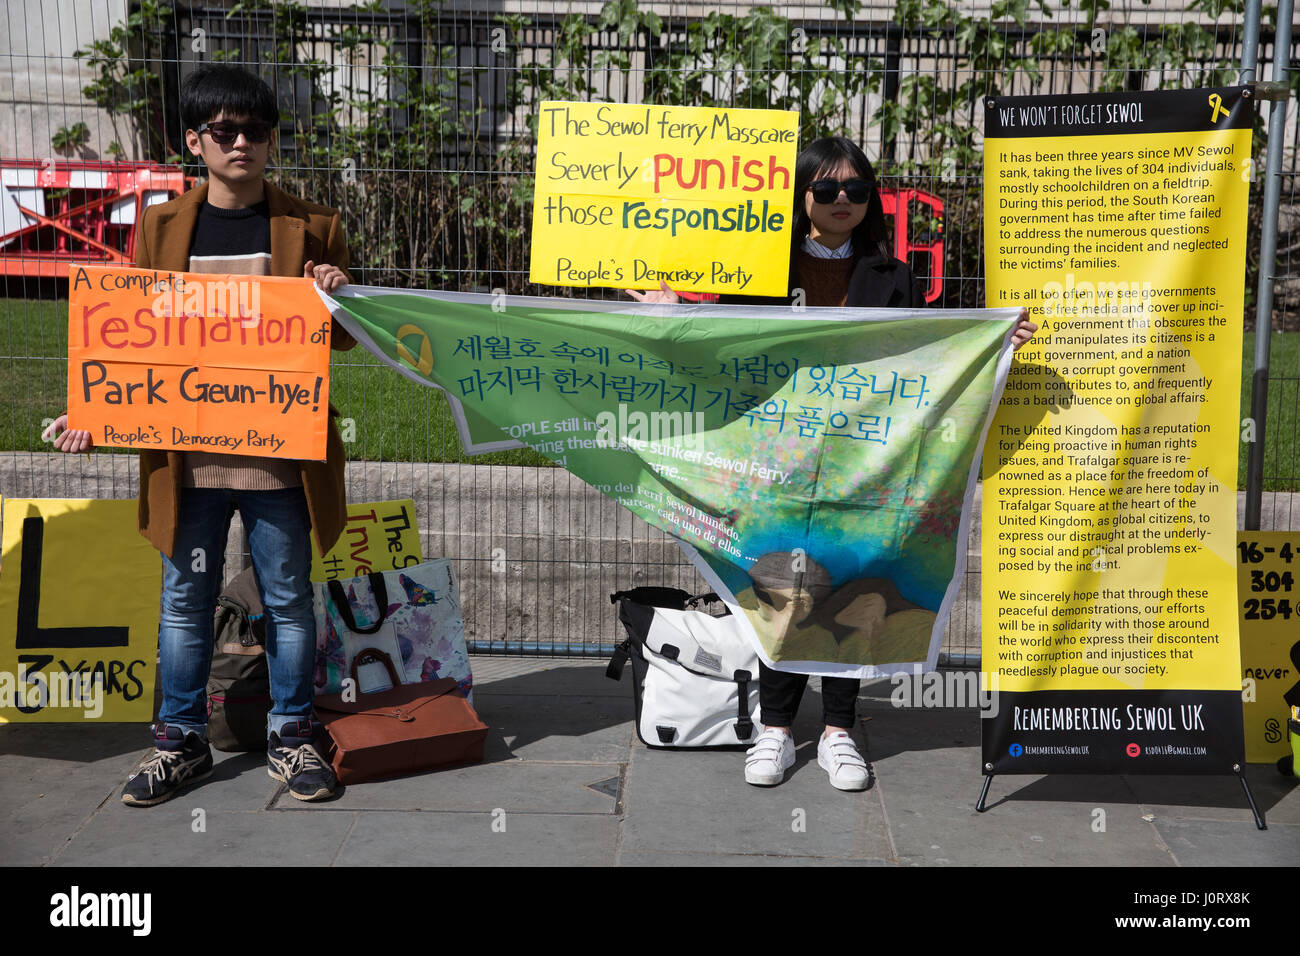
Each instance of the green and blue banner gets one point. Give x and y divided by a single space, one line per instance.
817 465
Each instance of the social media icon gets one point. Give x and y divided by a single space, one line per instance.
1133 750
1016 750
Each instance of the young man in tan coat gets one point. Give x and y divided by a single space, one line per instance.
236 223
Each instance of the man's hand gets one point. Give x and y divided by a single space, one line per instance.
1024 330
662 294
65 439
327 277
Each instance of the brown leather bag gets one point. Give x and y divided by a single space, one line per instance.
409 728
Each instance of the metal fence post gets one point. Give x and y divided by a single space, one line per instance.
1250 42
1267 251
893 65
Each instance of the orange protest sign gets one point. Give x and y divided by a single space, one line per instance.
177 360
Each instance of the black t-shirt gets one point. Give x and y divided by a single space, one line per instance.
232 241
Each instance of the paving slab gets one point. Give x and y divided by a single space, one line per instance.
162 836
469 839
577 788
683 801
1043 822
542 709
1225 843
239 784
593 729
737 859
52 779
891 730
1220 798
512 785
928 788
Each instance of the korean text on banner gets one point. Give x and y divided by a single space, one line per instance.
1109 526
186 362
628 195
79 591
816 466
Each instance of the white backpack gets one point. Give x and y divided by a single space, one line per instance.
695 675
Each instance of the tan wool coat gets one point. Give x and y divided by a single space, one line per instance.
300 231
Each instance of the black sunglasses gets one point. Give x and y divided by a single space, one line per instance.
826 191
223 133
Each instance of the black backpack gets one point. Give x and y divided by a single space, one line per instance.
239 684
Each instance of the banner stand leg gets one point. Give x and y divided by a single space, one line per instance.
1236 770
1250 797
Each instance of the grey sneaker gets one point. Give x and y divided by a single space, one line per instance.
179 760
294 760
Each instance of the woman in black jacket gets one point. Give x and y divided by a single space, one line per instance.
840 256
840 253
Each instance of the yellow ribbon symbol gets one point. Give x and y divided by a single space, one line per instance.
1216 101
424 364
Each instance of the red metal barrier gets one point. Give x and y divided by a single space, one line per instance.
904 247
56 213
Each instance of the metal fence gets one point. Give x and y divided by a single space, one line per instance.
413 120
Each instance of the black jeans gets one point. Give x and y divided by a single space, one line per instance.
779 694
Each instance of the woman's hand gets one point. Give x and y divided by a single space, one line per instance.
65 439
327 277
1024 330
662 294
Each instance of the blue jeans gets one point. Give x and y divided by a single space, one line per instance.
278 526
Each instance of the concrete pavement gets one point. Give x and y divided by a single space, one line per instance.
565 781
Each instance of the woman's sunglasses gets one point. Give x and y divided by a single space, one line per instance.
826 191
223 133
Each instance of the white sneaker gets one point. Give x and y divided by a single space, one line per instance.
771 756
838 756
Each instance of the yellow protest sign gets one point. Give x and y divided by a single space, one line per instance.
1109 531
79 594
378 536
628 195
1268 595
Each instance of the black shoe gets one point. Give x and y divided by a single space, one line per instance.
179 760
294 760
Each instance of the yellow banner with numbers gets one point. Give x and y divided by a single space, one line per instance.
1268 598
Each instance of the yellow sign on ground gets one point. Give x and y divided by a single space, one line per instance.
1268 595
378 536
79 595
628 195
